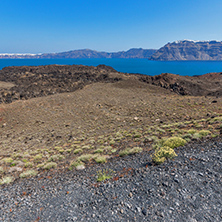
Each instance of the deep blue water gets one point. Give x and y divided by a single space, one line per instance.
142 66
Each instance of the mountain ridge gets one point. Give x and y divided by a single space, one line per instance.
189 50
84 53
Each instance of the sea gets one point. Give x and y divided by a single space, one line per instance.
142 66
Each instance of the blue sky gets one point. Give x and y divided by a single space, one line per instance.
108 25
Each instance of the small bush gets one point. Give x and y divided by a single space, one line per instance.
1 170
25 161
85 157
137 135
75 164
86 147
100 159
124 152
55 158
174 142
28 164
112 151
7 160
104 175
191 131
162 154
98 151
77 151
204 132
28 173
50 165
112 142
197 136
135 150
38 157
41 165
6 180
129 151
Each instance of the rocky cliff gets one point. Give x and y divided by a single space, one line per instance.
189 50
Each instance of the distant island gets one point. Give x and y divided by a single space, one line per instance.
189 50
83 53
177 50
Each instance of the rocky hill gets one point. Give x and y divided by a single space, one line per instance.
189 50
25 82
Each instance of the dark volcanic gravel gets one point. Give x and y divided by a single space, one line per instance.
186 189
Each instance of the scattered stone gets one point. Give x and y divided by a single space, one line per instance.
144 211
80 167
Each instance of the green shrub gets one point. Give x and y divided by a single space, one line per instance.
28 164
28 173
7 160
6 180
1 169
162 154
137 135
76 151
86 147
50 165
112 151
98 151
75 164
197 136
100 159
38 157
216 119
41 165
131 151
204 132
124 152
85 157
104 175
191 131
55 158
135 150
174 142
25 161
112 142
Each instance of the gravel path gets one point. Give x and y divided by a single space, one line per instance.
186 189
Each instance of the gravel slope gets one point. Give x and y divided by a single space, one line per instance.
186 189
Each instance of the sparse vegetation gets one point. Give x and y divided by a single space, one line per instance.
7 160
28 173
100 159
6 180
55 157
76 164
50 165
125 124
85 157
104 175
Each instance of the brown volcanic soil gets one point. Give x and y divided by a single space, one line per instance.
100 112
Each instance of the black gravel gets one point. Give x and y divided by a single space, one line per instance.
186 189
